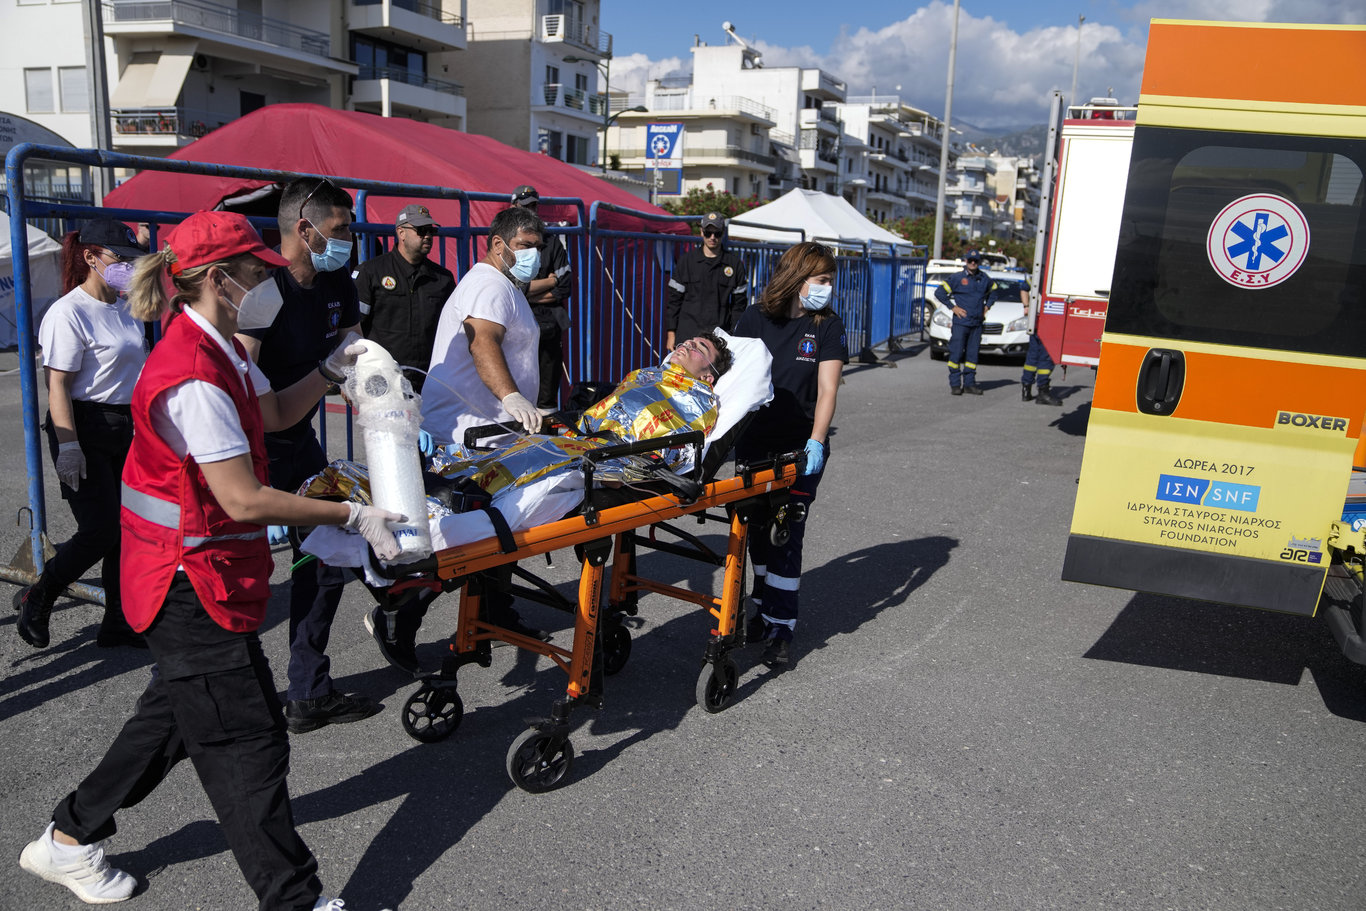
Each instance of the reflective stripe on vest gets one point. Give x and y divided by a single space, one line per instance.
167 515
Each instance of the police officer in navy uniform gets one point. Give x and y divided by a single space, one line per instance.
969 293
548 294
402 292
709 286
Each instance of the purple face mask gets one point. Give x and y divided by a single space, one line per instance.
118 276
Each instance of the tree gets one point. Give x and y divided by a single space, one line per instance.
700 201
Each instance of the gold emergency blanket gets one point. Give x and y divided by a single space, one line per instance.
650 403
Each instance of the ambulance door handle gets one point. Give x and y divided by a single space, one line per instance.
1160 381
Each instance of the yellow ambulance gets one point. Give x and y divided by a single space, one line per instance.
1231 388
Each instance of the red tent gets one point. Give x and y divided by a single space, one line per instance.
319 140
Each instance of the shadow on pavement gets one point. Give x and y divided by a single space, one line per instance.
1205 638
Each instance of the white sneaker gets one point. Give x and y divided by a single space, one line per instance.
332 904
82 869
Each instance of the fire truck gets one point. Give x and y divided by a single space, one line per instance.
1085 175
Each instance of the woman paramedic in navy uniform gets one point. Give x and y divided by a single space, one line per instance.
196 573
794 319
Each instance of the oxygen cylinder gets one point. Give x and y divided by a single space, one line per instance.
388 414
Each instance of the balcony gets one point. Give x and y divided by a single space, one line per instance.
821 83
731 156
408 92
153 129
412 23
573 30
226 31
684 101
559 97
819 119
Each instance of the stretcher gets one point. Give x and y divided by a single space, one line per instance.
605 536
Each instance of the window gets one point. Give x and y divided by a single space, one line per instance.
548 142
581 82
385 60
38 90
552 75
75 97
1181 181
250 101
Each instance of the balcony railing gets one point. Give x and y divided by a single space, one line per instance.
573 30
562 96
691 155
178 122
688 102
430 10
225 20
399 74
827 149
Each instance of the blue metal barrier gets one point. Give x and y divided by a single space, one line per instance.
616 310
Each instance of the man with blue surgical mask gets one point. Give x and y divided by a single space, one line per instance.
485 362
318 311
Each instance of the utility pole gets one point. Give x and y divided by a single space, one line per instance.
97 86
944 146
1076 62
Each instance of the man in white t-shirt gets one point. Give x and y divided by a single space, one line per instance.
484 367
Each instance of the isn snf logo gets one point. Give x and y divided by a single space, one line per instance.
1203 492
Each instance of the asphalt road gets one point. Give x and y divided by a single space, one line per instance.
961 729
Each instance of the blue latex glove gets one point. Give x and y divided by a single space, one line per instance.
815 458
277 534
425 444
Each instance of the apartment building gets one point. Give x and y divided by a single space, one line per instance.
177 69
725 139
1018 187
531 71
900 145
970 203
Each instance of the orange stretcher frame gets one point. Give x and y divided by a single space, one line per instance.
540 758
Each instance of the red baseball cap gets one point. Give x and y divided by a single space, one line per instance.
211 237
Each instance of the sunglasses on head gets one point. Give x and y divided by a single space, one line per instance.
320 184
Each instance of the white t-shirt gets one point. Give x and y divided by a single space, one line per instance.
454 397
199 418
101 343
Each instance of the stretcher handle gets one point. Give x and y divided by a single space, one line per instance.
694 438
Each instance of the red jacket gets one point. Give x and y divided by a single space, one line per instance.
170 517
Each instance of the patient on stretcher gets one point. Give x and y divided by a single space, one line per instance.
537 478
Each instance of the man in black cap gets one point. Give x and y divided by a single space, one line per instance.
402 292
548 295
709 286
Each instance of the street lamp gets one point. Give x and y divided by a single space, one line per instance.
944 146
1076 62
605 67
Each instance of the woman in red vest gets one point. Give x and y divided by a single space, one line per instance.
196 567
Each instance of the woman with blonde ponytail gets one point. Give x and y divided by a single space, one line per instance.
195 503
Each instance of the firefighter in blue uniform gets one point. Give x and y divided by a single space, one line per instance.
969 294
1038 365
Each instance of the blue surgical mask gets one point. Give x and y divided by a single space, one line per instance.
335 255
527 265
817 297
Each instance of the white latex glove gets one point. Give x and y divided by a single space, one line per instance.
372 523
522 410
344 355
70 464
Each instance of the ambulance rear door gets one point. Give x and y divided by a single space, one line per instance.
1232 378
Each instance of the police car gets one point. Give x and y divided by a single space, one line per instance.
1006 330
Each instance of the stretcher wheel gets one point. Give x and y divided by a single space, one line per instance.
717 684
616 648
432 713
538 762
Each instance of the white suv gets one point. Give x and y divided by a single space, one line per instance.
1005 330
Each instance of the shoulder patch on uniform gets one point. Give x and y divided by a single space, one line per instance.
729 271
388 282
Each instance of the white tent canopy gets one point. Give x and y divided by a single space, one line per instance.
45 278
822 216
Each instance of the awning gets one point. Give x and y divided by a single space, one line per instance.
153 79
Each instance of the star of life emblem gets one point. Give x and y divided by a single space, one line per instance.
1258 241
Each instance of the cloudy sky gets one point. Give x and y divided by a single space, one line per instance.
1011 53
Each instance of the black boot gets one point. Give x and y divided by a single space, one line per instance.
1026 391
1046 398
34 605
